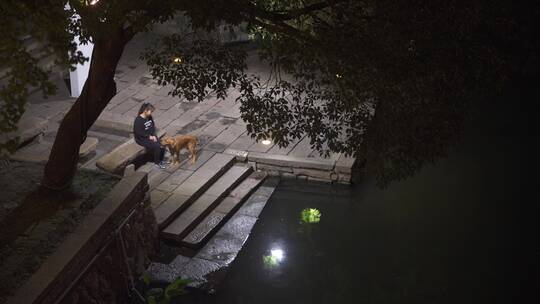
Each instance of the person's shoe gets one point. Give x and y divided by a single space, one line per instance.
160 166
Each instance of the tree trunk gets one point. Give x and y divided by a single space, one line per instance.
97 92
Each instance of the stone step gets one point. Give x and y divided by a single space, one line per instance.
36 152
190 190
222 248
223 211
155 175
88 146
28 128
191 217
32 46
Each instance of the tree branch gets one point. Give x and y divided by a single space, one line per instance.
284 28
280 16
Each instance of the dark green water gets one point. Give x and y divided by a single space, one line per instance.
461 231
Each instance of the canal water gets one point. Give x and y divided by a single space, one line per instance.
463 230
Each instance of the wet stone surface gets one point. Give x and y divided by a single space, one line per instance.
161 272
221 249
254 205
197 270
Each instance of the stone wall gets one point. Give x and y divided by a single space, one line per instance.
101 260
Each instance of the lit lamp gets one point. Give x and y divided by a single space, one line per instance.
93 2
274 258
277 254
177 60
266 142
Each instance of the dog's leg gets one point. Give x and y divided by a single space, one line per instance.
177 159
193 153
171 155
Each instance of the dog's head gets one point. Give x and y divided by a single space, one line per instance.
167 141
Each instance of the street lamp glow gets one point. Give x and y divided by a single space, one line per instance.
177 60
277 254
266 142
93 2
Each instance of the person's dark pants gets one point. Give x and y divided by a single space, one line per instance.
155 148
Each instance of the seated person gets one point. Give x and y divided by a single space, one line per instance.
144 132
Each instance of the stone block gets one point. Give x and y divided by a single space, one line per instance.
254 205
316 179
239 154
177 228
227 204
229 180
345 164
156 176
171 206
116 160
203 205
28 127
244 189
130 169
157 197
193 187
320 174
37 153
174 180
269 168
202 231
344 178
291 161
88 146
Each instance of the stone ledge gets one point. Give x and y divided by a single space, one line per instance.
327 170
39 152
240 155
116 160
62 268
345 164
88 146
27 128
291 161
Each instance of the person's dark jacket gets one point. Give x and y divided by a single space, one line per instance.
143 128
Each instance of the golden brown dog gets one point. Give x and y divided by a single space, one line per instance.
177 143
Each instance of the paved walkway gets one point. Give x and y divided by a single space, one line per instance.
217 123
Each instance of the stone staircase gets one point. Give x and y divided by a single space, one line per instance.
37 50
204 203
